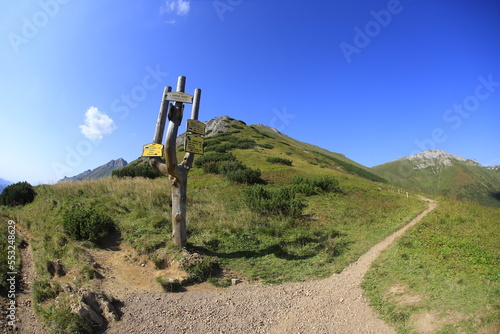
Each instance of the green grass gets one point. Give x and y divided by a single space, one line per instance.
343 216
451 260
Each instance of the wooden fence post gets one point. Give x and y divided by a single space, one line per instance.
177 173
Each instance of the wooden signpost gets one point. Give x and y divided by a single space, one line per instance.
177 173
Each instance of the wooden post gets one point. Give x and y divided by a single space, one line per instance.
177 173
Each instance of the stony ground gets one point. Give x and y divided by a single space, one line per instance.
332 305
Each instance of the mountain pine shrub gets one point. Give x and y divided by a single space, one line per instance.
315 185
20 193
278 160
87 224
246 175
277 201
139 170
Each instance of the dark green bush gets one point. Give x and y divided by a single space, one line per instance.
20 193
266 145
247 175
139 170
87 224
211 167
278 201
278 160
230 166
315 185
214 157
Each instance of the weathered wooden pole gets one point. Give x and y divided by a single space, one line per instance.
177 173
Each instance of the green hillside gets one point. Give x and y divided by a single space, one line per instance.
331 230
460 179
261 207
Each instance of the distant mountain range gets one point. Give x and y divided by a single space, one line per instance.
3 184
97 173
439 173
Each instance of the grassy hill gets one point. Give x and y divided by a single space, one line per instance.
308 214
443 174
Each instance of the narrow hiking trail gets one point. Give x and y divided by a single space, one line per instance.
332 305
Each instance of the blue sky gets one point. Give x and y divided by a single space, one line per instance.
81 81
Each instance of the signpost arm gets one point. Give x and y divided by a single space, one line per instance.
175 119
189 157
156 162
162 117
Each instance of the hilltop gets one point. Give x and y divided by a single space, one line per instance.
437 172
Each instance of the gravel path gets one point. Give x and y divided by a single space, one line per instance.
332 305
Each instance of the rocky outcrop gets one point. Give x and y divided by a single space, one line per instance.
96 308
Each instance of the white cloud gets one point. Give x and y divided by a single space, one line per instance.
97 124
180 7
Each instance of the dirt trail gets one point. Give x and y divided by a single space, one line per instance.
332 305
26 320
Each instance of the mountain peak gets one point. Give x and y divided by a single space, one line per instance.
437 157
97 173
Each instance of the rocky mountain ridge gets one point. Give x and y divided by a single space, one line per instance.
437 172
97 173
432 158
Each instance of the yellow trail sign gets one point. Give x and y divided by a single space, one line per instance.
195 126
194 144
152 150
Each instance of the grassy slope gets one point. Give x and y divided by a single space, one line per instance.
461 181
447 267
333 231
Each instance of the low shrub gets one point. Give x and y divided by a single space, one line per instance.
211 167
226 167
266 145
214 157
246 175
87 224
278 201
315 185
278 160
20 193
139 170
